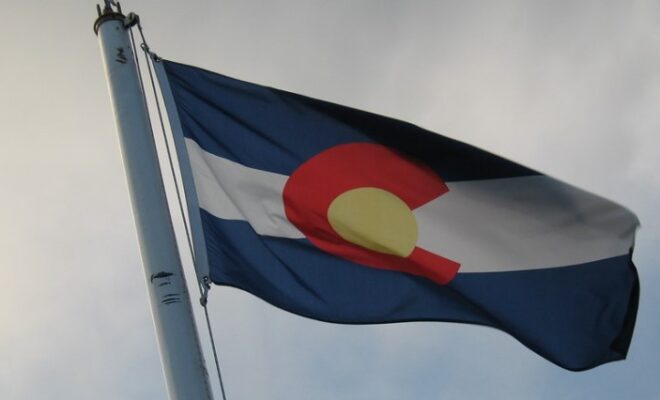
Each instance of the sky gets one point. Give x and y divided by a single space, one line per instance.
567 88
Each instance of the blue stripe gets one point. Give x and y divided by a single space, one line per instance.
276 131
576 316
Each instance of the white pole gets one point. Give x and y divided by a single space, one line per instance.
182 360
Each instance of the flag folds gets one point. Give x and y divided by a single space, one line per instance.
345 216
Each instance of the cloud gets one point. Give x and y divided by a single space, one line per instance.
567 88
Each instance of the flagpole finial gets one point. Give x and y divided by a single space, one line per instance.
108 7
109 4
111 10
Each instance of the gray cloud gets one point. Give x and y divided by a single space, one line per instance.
568 88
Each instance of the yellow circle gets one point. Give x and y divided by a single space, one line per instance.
375 219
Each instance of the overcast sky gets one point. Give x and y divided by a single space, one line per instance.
568 88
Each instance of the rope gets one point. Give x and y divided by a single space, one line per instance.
133 20
203 282
150 57
179 197
215 353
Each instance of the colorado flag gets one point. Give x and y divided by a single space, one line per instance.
345 216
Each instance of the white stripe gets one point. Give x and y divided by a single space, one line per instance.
487 225
523 223
232 191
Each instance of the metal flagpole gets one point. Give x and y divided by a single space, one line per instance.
183 364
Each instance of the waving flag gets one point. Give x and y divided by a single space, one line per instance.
345 216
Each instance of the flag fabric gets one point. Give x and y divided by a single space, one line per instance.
349 217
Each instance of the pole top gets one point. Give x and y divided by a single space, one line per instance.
111 11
